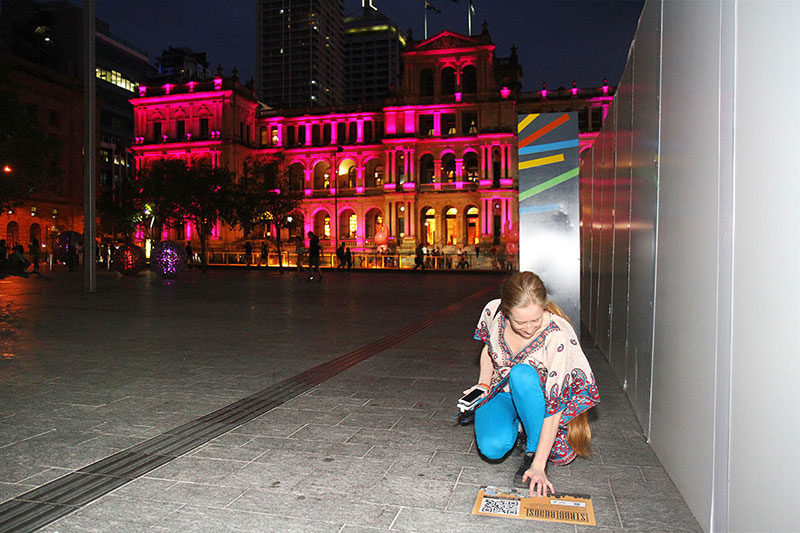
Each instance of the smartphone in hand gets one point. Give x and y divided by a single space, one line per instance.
467 401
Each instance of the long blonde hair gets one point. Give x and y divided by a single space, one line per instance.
526 288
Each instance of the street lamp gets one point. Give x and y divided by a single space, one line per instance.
339 149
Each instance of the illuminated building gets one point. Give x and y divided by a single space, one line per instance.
372 45
436 163
299 52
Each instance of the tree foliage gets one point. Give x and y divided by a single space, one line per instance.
28 155
263 197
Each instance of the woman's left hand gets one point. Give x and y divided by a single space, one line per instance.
539 481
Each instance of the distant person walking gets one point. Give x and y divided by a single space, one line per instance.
348 258
264 254
419 257
189 255
340 256
248 253
314 251
301 251
36 253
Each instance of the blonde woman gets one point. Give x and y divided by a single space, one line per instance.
533 372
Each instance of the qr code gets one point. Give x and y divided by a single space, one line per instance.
500 506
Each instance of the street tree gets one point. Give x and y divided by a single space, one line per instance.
208 198
263 197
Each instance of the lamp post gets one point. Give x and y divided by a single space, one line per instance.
336 199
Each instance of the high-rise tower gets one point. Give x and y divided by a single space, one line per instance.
299 48
372 45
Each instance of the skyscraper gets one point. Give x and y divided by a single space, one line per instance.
300 52
372 45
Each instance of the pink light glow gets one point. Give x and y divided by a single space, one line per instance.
506 182
168 87
574 91
458 97
485 183
544 93
409 186
437 186
359 190
605 86
181 97
191 85
389 186
333 190
217 84
308 192
459 185
195 146
188 230
505 92
276 191
142 90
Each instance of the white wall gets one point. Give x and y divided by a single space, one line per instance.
720 413
765 419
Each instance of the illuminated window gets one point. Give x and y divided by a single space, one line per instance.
327 227
116 78
351 225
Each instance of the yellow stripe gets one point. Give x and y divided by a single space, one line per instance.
527 120
541 161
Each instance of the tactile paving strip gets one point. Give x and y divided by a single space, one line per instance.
43 505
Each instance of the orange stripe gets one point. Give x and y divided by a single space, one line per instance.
545 129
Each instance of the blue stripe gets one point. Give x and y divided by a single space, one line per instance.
548 147
544 208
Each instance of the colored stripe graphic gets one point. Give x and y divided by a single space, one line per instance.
544 208
543 130
548 147
525 121
541 161
552 182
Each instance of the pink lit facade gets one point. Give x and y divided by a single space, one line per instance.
436 164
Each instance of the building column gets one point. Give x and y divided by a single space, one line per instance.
437 170
459 170
411 173
437 123
308 133
503 215
360 131
334 132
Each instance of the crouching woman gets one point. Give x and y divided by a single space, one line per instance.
534 373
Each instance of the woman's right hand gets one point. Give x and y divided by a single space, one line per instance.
478 386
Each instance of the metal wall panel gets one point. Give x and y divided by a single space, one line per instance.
606 230
623 106
644 209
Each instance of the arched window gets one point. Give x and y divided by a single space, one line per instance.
373 174
448 81
429 225
450 231
469 80
426 169
347 224
473 235
400 165
373 221
426 82
322 175
448 172
12 234
295 225
322 224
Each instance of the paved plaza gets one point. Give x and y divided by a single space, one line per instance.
253 401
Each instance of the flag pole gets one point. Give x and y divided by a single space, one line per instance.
425 7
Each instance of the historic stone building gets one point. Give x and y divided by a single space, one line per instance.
434 163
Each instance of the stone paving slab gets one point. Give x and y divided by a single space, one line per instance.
372 449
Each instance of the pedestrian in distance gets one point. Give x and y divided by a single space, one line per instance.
189 255
264 254
36 253
533 371
248 253
340 256
419 257
314 252
348 258
300 251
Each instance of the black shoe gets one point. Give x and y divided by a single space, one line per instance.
527 460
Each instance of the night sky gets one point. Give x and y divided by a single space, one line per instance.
557 40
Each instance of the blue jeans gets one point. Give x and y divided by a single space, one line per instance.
497 421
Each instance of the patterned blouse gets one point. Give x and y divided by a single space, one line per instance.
566 377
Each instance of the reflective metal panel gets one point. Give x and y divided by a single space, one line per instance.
623 105
644 207
606 209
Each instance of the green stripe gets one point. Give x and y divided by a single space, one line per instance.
552 182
